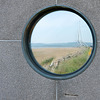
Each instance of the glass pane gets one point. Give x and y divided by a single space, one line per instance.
61 42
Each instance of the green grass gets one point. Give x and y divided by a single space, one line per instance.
47 61
72 64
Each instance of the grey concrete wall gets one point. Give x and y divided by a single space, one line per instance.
17 80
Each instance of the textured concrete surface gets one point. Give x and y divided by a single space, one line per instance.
85 86
15 13
17 80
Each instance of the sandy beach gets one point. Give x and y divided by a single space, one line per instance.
57 53
61 60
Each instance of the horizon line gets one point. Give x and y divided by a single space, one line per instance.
62 42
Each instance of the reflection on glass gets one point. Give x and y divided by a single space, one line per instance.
61 42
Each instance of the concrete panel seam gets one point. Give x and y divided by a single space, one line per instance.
10 40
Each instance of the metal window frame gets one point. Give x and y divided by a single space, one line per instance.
26 35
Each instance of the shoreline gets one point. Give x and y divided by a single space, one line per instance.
51 47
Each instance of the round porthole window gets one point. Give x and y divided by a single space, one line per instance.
59 42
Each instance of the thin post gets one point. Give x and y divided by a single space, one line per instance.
56 2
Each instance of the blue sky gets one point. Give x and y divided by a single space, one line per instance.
61 27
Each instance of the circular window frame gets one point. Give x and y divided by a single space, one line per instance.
26 35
